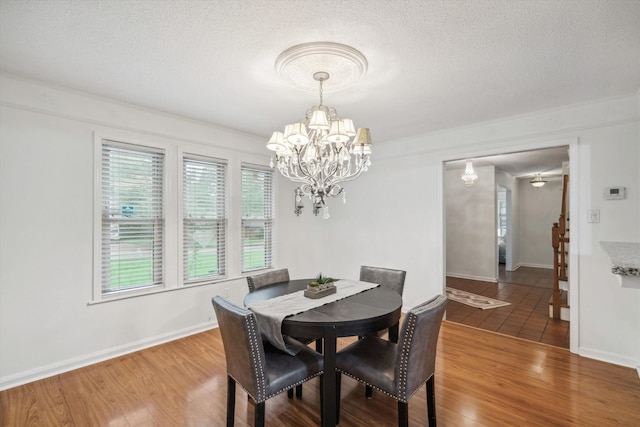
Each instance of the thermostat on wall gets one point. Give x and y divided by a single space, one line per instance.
614 193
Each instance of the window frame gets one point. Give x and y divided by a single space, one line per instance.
173 256
181 217
132 142
271 221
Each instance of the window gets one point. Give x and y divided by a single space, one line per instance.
165 216
204 219
132 237
257 218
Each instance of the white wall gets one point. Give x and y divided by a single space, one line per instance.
46 223
471 224
394 215
389 220
538 209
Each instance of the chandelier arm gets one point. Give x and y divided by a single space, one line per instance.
296 178
329 176
351 177
306 189
331 193
285 171
308 176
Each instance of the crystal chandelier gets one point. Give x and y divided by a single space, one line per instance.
321 153
469 174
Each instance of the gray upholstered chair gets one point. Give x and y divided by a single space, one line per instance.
398 369
268 278
261 369
271 278
387 278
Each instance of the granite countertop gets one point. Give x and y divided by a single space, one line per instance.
625 257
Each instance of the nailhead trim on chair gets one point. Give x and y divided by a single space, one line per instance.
404 356
402 395
294 385
258 368
381 390
252 286
255 354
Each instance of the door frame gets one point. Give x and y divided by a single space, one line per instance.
572 143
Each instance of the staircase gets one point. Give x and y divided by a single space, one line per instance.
559 303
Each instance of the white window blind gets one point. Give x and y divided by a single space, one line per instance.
204 221
257 218
132 217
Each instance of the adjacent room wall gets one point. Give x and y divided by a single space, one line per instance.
471 224
538 209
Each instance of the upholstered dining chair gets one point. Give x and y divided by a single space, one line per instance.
270 278
398 369
387 278
261 369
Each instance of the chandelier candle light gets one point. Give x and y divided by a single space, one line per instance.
322 152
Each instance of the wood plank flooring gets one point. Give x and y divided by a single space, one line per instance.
528 315
482 379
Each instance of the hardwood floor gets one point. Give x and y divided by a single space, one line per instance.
528 315
482 379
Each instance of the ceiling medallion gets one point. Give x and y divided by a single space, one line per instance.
298 64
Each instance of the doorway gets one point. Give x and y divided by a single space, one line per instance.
504 264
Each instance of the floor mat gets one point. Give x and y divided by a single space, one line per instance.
474 300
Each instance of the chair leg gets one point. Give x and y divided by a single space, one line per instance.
319 345
338 383
368 391
231 401
299 391
431 401
290 393
322 400
259 418
403 414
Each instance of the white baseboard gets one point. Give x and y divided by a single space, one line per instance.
480 278
604 356
25 377
527 264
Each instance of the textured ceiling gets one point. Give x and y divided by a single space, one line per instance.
432 64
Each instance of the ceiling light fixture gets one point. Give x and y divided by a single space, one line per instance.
537 181
324 150
469 174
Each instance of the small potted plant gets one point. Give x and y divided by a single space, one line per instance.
320 286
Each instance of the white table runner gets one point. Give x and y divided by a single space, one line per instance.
271 312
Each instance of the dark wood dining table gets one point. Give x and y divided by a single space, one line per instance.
357 315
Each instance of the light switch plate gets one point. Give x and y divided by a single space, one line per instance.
593 215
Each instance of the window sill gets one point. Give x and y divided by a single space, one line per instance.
153 290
